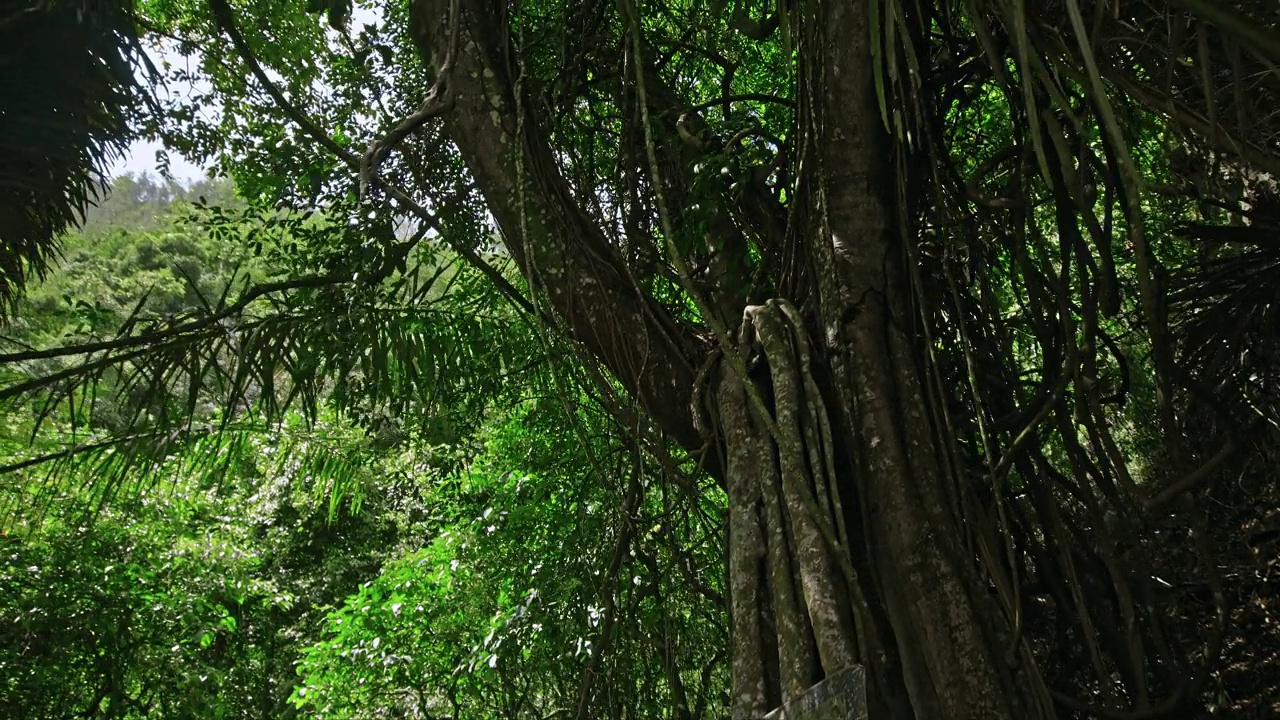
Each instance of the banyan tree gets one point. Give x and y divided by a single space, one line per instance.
968 306
896 271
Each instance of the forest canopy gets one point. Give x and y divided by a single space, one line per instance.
660 359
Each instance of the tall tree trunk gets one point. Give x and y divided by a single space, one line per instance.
843 545
945 626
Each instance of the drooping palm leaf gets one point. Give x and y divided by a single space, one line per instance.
67 90
1227 312
428 354
328 458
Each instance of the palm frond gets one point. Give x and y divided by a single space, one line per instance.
432 355
67 93
332 460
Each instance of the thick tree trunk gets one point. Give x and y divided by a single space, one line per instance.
944 623
843 546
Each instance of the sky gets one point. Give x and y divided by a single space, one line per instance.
140 159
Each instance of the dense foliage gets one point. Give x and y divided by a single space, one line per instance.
307 563
664 359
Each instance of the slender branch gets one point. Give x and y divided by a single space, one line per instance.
1195 477
226 21
150 339
745 97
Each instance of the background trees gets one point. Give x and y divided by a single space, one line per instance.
480 536
1007 350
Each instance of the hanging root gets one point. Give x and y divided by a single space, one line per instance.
787 540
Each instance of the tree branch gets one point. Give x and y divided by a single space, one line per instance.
551 237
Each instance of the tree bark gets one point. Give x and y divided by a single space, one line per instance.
941 617
553 240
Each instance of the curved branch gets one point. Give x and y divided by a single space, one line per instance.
553 240
745 97
1193 478
439 100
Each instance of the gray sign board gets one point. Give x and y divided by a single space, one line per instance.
843 696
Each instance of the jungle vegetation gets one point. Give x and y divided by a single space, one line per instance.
639 359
